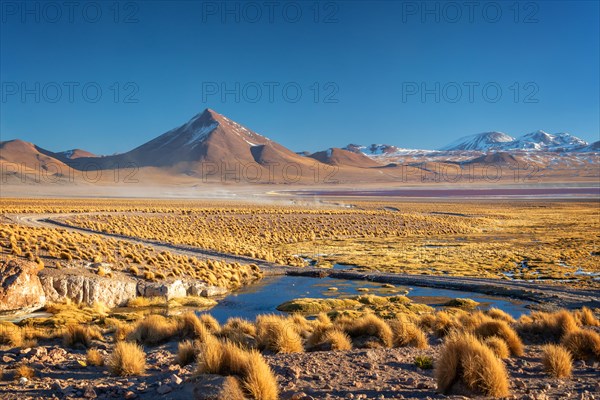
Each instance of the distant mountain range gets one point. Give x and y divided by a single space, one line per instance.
493 141
211 146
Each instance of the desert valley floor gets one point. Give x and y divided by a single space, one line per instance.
286 296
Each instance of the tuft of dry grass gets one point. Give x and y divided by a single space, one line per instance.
75 335
498 346
547 327
227 358
138 302
497 313
259 380
210 323
278 334
191 327
94 357
406 333
122 330
332 339
153 329
442 324
240 331
466 359
187 352
232 389
24 371
583 344
10 335
209 356
371 325
127 359
557 361
504 331
586 317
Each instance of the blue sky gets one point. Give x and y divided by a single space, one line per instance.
368 72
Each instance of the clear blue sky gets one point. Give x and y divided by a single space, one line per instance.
373 53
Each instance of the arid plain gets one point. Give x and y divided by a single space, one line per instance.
376 297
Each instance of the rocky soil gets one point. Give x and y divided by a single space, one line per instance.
356 374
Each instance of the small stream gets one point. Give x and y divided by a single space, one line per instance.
265 296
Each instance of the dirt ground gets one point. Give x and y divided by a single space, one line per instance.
355 374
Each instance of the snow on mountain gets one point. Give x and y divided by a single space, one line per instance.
480 142
540 140
590 148
382 150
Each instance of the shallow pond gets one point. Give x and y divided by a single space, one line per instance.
265 296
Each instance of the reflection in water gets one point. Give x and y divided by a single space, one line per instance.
265 296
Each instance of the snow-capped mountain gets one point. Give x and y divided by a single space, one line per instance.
480 142
540 140
534 141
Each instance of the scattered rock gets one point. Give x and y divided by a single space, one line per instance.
89 393
164 389
176 379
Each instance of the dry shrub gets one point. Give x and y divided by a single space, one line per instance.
302 325
586 317
442 324
10 335
232 389
468 322
153 329
371 325
426 321
327 338
94 357
278 334
497 313
323 319
80 335
127 359
123 330
186 352
583 344
337 340
259 380
24 371
463 358
226 358
191 327
233 359
240 331
498 346
557 361
209 356
316 338
503 331
547 327
137 302
408 334
210 323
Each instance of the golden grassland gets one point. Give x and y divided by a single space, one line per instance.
474 343
59 248
557 239
263 232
